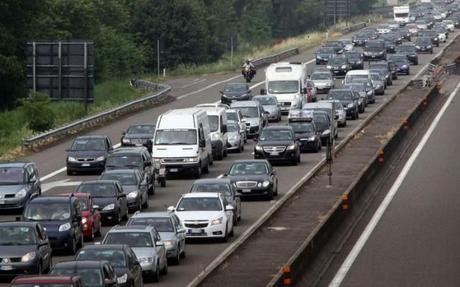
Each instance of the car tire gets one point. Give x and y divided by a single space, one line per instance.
73 247
275 193
69 172
232 233
99 229
270 196
146 204
206 168
220 156
81 241
431 52
164 271
408 72
183 254
40 268
225 238
357 114
225 152
163 182
151 190
176 259
119 217
198 171
139 206
156 274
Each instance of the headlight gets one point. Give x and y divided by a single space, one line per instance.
404 66
378 86
126 140
344 66
366 53
109 207
84 220
359 62
329 67
312 138
258 148
217 221
369 93
381 53
191 159
428 47
168 244
21 194
350 105
266 183
101 158
318 57
71 159
145 259
436 39
123 279
28 257
418 47
215 136
233 138
291 147
133 194
326 132
64 227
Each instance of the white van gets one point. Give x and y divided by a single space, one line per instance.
357 74
217 118
182 141
287 82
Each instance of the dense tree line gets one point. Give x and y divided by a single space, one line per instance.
126 31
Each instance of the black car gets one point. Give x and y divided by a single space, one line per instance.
323 54
121 257
19 182
355 59
277 143
404 32
338 46
139 135
339 65
235 92
401 63
134 186
253 178
360 39
92 273
24 249
374 50
88 153
108 197
390 44
410 51
306 133
424 45
388 67
323 124
433 35
134 158
349 100
365 91
61 218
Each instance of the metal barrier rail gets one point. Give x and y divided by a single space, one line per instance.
275 58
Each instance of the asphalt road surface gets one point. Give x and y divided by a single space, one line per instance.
189 92
412 239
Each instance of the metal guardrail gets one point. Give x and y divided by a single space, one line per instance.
354 27
275 58
160 94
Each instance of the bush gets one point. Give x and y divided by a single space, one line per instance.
37 112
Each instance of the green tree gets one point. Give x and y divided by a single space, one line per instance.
254 24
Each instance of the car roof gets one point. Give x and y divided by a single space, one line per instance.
76 194
99 181
124 170
81 263
105 247
201 194
244 104
251 161
50 198
19 224
151 214
43 279
212 180
137 228
278 127
142 124
15 163
91 137
128 150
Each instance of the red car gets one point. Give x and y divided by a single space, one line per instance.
46 280
91 218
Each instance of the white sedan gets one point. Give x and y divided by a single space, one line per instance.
205 215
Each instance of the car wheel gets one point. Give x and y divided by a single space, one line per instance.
206 168
198 171
225 152
156 275
270 195
40 268
242 146
151 190
220 156
275 193
231 233
320 146
139 205
69 172
408 72
73 247
146 204
225 238
431 51
164 271
118 219
183 254
81 241
99 229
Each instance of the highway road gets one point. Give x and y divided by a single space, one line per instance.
190 92
412 238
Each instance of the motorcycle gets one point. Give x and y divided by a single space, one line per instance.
248 74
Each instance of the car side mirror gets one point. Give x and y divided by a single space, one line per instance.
33 179
147 163
274 172
136 263
202 143
171 209
336 117
160 243
263 91
181 230
229 208
243 120
266 113
109 282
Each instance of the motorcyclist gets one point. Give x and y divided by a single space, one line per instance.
249 65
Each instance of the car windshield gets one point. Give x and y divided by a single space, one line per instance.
326 50
124 178
361 36
130 238
249 112
199 204
213 123
124 160
90 277
232 116
302 127
175 137
266 101
97 189
354 56
11 175
337 61
248 168
406 48
321 122
374 45
88 144
423 41
48 211
116 257
356 86
235 88
233 128
275 135
17 235
333 44
398 58
161 224
212 187
351 78
378 66
376 77
141 129
283 87
82 204
321 76
340 95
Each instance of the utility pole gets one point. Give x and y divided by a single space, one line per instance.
158 58
231 52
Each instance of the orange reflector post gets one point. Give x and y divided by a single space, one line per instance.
381 156
345 205
287 280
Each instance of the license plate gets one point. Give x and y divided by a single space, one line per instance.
173 169
274 154
195 231
85 164
246 190
6 267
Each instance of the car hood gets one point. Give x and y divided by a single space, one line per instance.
258 177
400 64
4 189
275 143
198 215
144 251
345 102
138 136
233 134
16 251
373 50
167 151
271 108
235 94
87 154
286 97
322 82
128 188
103 201
120 271
167 236
323 55
253 121
304 135
51 225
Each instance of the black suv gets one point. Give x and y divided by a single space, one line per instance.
134 157
278 143
60 218
139 135
88 153
374 50
339 65
355 59
349 99
235 92
19 182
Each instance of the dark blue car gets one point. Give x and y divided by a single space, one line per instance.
402 64
61 220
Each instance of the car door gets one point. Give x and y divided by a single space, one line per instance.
149 167
44 249
180 231
76 218
134 267
160 248
121 198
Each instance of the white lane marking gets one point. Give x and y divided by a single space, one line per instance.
60 183
207 87
256 85
346 266
194 82
310 61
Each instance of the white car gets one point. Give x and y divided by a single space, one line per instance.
348 44
205 215
383 29
449 24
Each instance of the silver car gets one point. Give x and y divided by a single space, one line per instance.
237 116
270 105
254 114
323 80
235 141
340 113
379 83
348 44
170 228
147 245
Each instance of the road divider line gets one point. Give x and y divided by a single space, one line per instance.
208 87
194 82
359 245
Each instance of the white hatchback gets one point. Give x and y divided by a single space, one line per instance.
205 215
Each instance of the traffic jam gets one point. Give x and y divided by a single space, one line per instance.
103 223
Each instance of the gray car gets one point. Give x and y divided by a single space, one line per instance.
146 243
170 228
254 114
237 116
323 80
378 82
270 105
340 113
235 141
19 182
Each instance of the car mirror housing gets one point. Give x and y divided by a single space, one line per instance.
171 209
229 208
